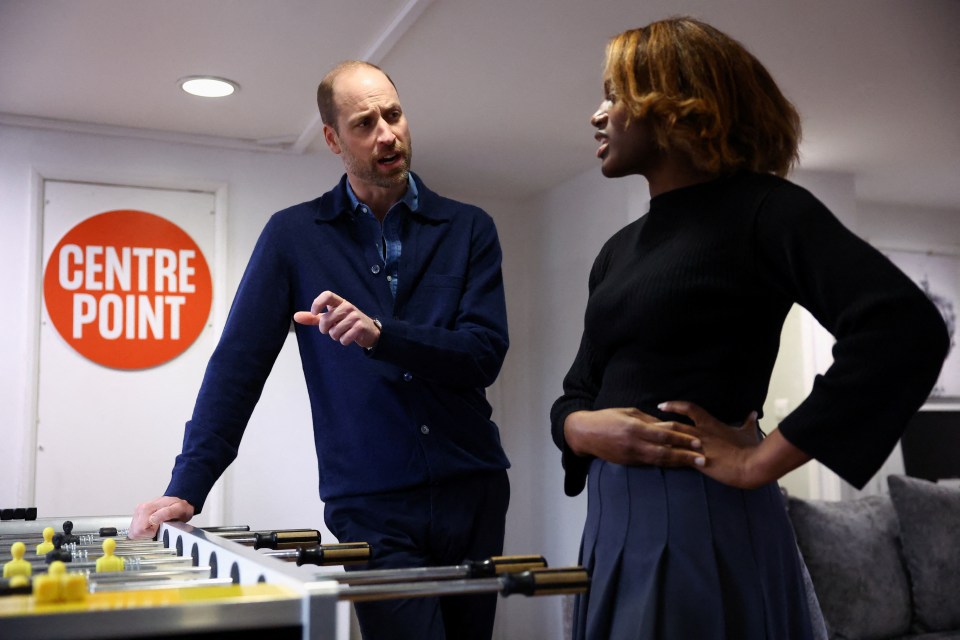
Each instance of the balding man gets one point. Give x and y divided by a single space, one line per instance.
406 327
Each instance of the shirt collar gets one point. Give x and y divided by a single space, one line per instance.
336 202
411 196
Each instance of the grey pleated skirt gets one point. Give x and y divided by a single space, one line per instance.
675 555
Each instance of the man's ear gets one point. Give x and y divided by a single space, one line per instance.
333 140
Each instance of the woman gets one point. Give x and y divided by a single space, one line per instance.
686 534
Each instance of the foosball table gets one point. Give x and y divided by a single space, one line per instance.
86 580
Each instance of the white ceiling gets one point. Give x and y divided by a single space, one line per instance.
498 92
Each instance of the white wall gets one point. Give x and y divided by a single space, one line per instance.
910 226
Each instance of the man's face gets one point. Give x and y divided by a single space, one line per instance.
371 135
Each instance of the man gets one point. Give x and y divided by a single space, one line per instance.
412 328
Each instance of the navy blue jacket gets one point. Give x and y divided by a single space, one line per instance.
411 412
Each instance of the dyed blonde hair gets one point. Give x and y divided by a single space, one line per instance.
705 95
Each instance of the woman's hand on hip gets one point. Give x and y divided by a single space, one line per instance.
735 454
631 437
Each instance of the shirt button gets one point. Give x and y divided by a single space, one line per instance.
424 429
375 269
407 376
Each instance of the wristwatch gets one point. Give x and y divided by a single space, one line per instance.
376 323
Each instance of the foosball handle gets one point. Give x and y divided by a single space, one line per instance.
546 582
286 539
324 555
498 565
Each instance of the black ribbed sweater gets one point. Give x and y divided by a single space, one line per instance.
688 302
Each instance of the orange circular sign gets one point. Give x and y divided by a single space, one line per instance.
128 289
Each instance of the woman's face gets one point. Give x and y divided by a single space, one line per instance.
626 148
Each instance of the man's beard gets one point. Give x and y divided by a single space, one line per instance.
366 171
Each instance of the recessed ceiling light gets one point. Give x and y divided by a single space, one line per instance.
208 86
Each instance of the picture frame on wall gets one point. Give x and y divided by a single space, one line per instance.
937 273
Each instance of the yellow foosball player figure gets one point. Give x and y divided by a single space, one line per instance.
74 587
109 562
17 566
58 586
46 546
18 581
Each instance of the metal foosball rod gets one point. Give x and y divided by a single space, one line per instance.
132 563
122 575
324 555
87 536
535 582
102 587
300 545
227 528
280 539
159 561
172 571
81 552
113 582
136 579
130 573
470 570
122 549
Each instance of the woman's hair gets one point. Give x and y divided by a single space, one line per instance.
325 96
705 95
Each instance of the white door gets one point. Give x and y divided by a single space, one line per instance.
107 436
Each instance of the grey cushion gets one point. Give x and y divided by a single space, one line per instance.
850 548
930 533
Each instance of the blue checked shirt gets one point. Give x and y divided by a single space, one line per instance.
388 238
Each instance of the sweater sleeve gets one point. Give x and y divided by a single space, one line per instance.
580 388
253 335
890 339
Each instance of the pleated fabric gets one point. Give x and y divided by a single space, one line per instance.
675 555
